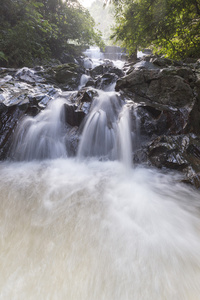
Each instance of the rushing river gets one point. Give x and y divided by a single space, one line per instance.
83 229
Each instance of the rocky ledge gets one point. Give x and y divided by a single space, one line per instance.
164 98
167 107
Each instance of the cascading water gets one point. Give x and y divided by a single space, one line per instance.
89 229
42 136
106 131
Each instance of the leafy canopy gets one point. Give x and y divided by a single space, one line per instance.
43 29
170 27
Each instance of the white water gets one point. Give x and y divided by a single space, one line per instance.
94 57
90 230
84 229
42 136
106 132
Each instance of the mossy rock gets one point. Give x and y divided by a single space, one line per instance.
67 73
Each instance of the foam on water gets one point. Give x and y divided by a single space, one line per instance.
91 230
42 136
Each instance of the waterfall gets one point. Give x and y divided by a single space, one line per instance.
106 132
96 227
42 136
94 53
125 137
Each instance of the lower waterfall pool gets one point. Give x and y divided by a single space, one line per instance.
90 230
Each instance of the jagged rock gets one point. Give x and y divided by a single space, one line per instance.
85 95
98 70
105 68
84 98
90 83
28 75
24 94
9 118
68 75
162 62
66 58
166 110
73 116
156 87
107 79
180 152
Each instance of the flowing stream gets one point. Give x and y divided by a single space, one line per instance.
94 227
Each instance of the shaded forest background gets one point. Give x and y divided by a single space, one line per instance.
168 27
35 31
32 31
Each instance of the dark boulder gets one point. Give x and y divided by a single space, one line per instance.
180 152
68 75
106 80
156 86
9 118
105 68
73 116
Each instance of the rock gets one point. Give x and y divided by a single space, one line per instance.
28 75
143 65
99 70
103 69
156 87
9 118
190 60
161 62
66 58
90 83
106 80
73 116
68 75
83 99
85 95
180 152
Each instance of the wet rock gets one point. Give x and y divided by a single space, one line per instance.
83 99
161 62
68 75
180 152
156 87
116 71
28 75
106 80
99 70
86 94
66 58
90 83
105 68
9 118
108 63
71 140
143 65
73 116
24 94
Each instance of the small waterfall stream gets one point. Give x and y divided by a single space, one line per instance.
106 132
90 228
42 136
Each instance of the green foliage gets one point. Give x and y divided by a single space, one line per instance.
169 27
33 30
3 56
